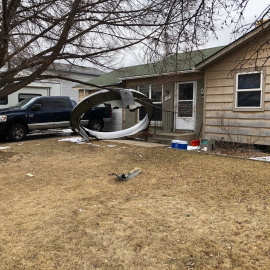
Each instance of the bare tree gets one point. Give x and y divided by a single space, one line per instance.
34 34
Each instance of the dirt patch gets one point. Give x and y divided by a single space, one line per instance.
61 208
5 156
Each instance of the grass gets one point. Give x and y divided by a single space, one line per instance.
184 211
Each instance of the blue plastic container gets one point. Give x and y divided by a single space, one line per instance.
179 144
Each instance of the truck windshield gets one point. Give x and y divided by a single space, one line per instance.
25 103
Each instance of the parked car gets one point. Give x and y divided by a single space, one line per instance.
41 113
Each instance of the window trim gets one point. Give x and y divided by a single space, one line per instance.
150 92
236 91
150 96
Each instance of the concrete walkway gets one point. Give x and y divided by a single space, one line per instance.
138 143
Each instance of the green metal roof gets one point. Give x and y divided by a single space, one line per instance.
174 63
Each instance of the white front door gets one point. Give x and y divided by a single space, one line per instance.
185 101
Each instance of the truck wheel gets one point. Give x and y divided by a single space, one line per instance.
17 132
95 125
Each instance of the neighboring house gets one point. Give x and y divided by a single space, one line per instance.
219 93
83 74
53 87
37 88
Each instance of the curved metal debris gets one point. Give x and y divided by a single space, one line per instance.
132 101
129 175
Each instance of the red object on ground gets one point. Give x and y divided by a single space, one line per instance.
195 143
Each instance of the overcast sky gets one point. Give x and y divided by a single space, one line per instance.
253 11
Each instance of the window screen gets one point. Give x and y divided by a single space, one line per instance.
156 93
249 99
185 109
249 81
186 91
144 89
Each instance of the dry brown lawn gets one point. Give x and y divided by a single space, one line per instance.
184 211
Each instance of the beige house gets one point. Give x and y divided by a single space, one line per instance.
220 93
174 87
237 90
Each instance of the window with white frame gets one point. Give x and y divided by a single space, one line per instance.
154 93
249 90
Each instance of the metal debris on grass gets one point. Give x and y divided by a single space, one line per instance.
129 175
4 147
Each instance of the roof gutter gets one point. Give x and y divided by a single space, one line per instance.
161 74
96 87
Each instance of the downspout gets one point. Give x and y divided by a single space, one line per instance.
175 106
204 104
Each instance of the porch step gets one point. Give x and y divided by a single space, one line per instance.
166 138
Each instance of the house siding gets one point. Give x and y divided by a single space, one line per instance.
222 121
67 89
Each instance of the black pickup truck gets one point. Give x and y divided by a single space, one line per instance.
46 113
